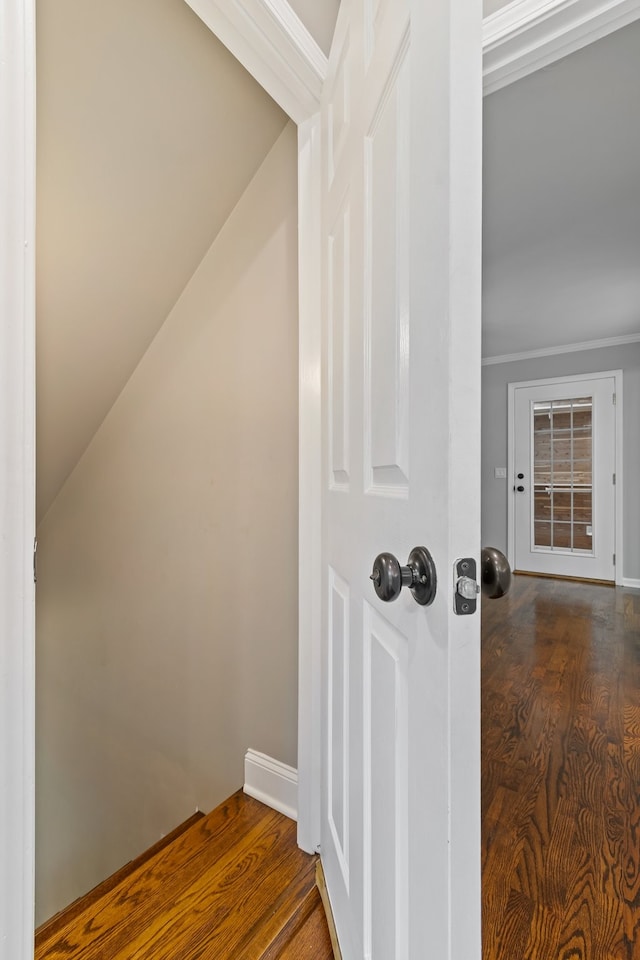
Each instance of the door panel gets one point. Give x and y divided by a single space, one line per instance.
387 286
339 267
338 760
386 787
564 464
401 378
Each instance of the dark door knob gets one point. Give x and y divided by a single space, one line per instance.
521 476
419 575
495 573
520 488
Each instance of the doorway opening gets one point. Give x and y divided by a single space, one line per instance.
560 680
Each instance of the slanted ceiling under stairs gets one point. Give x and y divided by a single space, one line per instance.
148 133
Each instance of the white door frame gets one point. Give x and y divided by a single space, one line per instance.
271 43
617 376
17 475
269 40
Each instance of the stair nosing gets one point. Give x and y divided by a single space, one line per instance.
297 919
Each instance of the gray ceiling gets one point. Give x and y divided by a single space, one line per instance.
562 201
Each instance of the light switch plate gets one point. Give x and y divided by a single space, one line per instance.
500 473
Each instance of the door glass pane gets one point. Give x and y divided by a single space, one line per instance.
562 474
543 534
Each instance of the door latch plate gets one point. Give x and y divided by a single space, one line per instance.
465 587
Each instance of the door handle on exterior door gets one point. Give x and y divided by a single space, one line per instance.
419 575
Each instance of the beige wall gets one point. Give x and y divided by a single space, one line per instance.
134 182
167 601
319 17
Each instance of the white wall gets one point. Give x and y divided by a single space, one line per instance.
167 600
495 378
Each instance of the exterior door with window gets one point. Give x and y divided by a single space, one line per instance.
564 462
401 211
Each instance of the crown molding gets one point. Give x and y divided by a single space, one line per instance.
563 348
528 34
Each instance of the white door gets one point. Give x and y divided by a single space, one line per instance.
401 239
563 467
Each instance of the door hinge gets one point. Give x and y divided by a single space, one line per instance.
613 399
614 479
614 559
35 560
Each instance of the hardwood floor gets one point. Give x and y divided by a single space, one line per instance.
560 810
232 886
561 772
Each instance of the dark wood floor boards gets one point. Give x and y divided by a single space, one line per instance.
561 773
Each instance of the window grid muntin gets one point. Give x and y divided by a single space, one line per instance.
565 475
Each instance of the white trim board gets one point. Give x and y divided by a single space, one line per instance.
527 35
271 782
273 44
17 477
511 469
310 490
564 348
628 582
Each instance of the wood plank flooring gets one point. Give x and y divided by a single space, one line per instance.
232 886
560 809
561 772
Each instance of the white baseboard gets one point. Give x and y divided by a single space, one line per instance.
271 782
628 582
